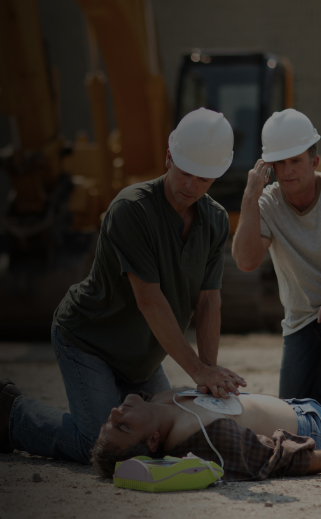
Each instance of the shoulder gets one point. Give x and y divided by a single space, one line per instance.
272 191
214 209
215 214
135 200
137 192
271 195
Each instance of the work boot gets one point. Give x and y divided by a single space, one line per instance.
8 394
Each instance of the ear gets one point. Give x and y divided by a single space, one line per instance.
153 441
168 159
315 162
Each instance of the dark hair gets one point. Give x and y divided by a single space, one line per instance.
313 151
105 454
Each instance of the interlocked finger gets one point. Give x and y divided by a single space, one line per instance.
222 393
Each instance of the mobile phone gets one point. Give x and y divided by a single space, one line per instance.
268 173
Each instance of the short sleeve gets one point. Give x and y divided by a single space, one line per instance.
129 234
215 264
265 231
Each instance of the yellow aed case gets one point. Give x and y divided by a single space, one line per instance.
168 474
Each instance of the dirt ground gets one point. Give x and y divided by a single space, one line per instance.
35 487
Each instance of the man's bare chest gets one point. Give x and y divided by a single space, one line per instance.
196 410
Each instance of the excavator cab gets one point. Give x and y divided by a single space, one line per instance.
247 88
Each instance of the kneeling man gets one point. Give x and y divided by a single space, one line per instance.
257 436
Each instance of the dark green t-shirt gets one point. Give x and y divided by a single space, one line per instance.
141 233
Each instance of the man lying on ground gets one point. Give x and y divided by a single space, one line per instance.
269 437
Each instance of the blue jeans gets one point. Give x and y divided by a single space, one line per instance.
300 375
308 412
92 389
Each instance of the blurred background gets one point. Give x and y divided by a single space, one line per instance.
89 92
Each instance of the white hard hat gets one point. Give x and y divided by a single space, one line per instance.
287 134
202 144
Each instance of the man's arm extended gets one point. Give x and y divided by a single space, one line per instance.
249 247
161 320
208 325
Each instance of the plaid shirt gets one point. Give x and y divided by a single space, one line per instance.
248 456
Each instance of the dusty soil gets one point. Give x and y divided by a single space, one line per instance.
34 487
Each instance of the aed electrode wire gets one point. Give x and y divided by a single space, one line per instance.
203 429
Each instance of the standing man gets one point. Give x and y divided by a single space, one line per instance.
159 259
285 218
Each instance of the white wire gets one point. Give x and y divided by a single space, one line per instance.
207 463
203 429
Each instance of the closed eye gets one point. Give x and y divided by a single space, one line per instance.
122 427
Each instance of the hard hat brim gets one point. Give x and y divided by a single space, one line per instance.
290 152
198 170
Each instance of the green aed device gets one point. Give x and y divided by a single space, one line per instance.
168 474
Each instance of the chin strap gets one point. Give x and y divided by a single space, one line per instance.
203 429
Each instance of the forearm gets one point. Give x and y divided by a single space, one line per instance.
165 328
247 247
208 326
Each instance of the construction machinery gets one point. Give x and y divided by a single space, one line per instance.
53 211
59 192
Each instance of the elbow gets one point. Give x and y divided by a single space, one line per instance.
210 301
246 262
146 305
247 266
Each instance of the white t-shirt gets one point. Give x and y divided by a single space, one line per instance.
296 254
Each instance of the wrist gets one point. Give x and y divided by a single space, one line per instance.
251 195
198 369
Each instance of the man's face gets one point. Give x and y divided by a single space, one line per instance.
129 423
183 189
296 174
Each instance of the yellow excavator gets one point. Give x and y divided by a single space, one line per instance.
54 210
59 192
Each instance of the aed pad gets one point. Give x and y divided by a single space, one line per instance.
230 406
168 474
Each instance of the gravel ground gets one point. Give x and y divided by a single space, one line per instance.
35 487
